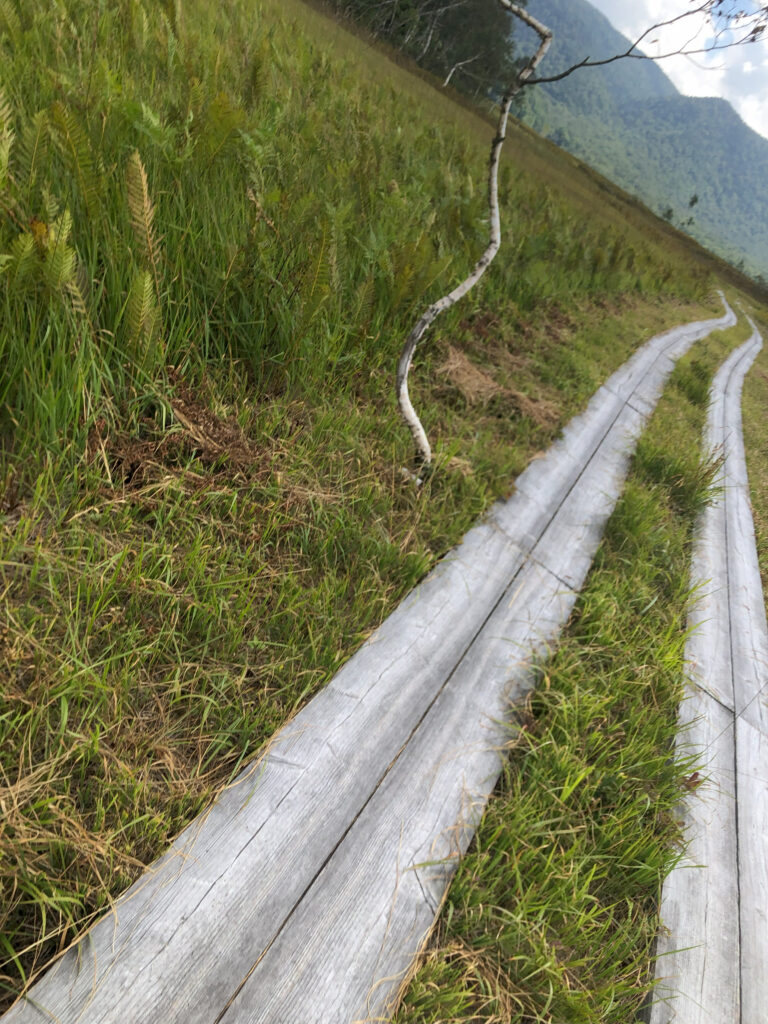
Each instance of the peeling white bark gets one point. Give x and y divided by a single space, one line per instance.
423 450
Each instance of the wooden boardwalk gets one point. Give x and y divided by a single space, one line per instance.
304 892
713 962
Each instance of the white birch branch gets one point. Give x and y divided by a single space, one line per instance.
423 458
459 64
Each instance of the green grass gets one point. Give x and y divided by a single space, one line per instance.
553 911
217 223
293 216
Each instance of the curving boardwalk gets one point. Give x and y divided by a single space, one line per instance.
304 892
713 962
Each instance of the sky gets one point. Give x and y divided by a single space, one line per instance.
739 75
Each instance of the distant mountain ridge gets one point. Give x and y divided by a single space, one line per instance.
628 121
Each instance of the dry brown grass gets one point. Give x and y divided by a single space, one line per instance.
478 387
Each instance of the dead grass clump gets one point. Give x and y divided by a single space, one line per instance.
479 388
219 446
469 979
476 386
543 413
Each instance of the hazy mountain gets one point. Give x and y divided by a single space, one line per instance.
629 122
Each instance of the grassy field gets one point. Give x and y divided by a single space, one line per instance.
217 222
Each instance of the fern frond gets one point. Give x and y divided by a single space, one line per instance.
316 287
7 136
196 101
59 268
6 143
31 150
75 147
365 302
257 78
176 14
23 259
9 22
51 205
6 113
318 281
142 213
78 289
60 258
139 24
142 317
172 43
403 271
221 124
60 229
77 299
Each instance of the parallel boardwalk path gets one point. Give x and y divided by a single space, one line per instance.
713 962
304 892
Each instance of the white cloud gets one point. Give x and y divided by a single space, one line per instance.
739 74
754 110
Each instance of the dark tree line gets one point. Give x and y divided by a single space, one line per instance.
464 42
469 44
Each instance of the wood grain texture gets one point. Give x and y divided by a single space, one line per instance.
713 957
708 650
188 939
747 609
752 789
698 950
374 903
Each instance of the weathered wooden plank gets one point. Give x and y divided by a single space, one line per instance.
752 790
713 956
182 941
638 382
749 632
373 904
708 649
648 367
568 545
698 949
749 641
548 480
413 817
347 736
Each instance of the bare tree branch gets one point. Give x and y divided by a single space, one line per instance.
751 31
459 64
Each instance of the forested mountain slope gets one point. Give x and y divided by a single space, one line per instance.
629 122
